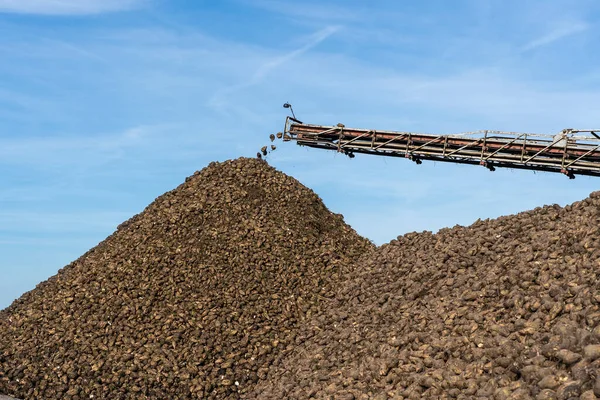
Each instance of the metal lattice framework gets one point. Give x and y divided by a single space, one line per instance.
570 152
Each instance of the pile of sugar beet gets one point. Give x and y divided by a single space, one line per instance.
241 284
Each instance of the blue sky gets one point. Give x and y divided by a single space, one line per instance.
106 104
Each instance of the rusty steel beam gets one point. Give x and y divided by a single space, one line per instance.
578 155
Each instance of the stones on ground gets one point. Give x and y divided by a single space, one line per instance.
193 298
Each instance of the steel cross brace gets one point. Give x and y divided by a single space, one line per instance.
583 155
464 147
542 150
390 141
350 141
503 147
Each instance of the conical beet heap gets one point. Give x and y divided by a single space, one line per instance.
503 309
193 298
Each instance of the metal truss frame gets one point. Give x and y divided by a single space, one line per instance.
570 152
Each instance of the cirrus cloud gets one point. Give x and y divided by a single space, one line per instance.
67 7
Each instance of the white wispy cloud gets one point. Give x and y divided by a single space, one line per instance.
557 34
77 50
67 7
488 98
55 150
272 64
359 14
313 41
308 10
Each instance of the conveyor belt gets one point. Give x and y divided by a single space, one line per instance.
564 152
